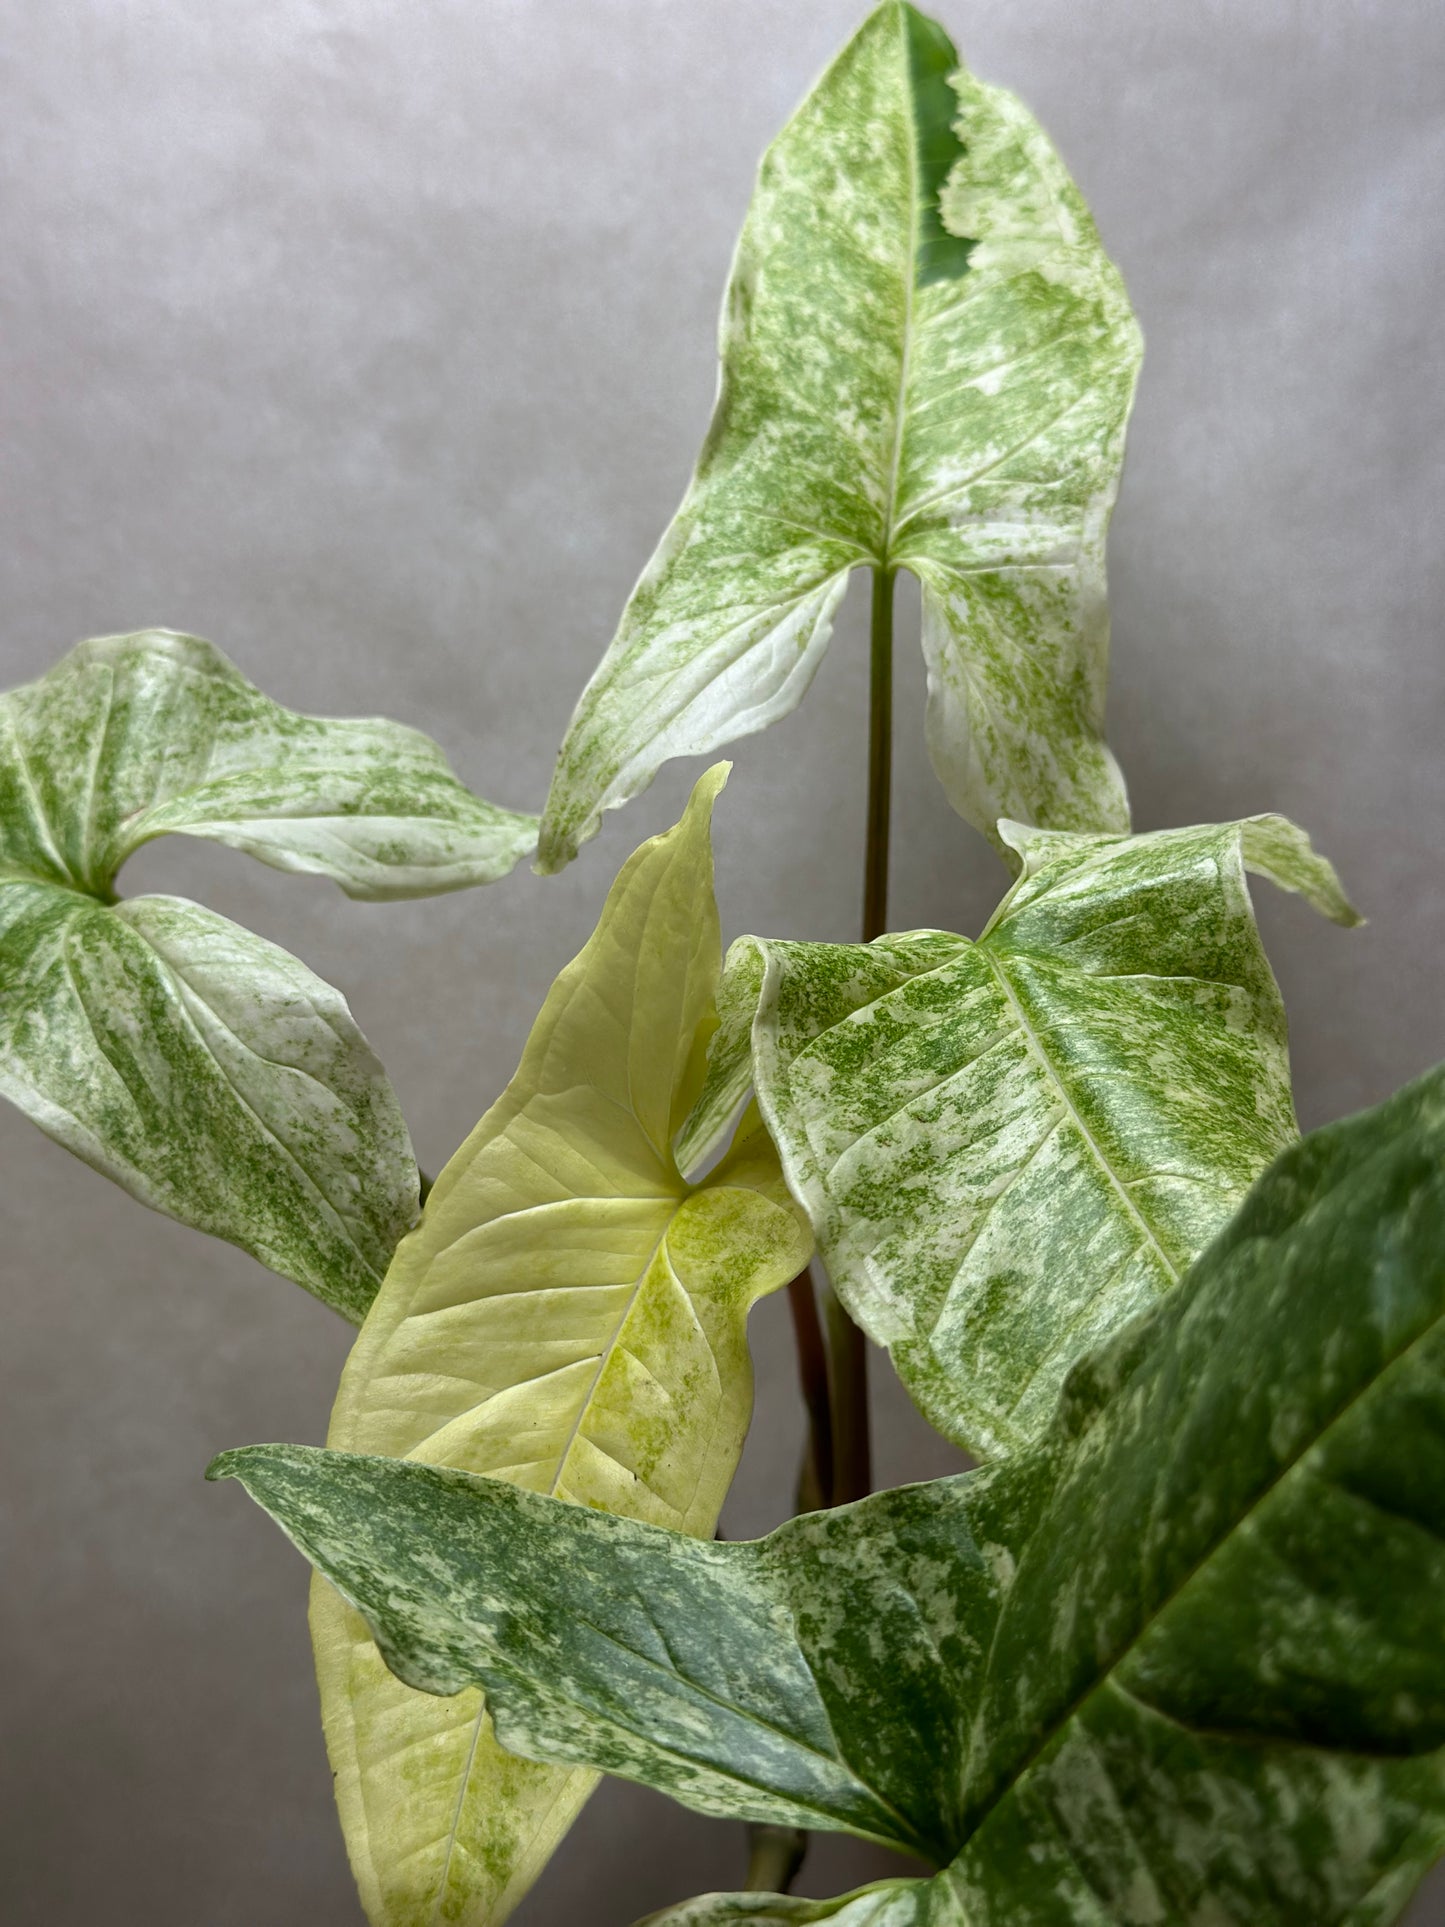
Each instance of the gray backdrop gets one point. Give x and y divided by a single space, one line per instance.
375 343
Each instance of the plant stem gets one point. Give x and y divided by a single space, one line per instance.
774 1857
848 1358
848 1354
839 1464
815 1481
880 757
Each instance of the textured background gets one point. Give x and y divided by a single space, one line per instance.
375 343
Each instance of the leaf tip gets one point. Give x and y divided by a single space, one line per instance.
1276 848
225 1465
713 781
247 1464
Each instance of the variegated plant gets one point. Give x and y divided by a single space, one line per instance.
1181 1660
569 1316
1105 1068
207 1071
1173 1652
927 362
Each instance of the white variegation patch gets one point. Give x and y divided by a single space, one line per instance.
210 1074
1102 1074
927 362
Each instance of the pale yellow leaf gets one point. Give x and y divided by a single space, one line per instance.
569 1315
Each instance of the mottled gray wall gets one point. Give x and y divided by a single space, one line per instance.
375 342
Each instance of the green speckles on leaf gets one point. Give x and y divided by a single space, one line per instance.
133 737
1144 1671
207 1072
1278 849
569 1316
927 361
1008 1147
891 1903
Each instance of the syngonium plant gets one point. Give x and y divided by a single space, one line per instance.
1172 1651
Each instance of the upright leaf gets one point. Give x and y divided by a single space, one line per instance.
1008 1147
570 1316
1181 1661
927 362
205 1070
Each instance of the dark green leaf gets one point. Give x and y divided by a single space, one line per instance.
1185 1654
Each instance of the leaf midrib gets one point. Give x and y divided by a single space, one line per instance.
606 1353
31 879
454 1830
88 852
1034 1045
884 561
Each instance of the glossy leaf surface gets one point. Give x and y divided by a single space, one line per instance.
569 1315
1180 1661
927 362
1009 1147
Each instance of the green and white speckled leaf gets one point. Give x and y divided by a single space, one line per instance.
1009 1147
927 362
888 1903
569 1315
206 1071
1180 1661
212 1075
1047 1872
133 737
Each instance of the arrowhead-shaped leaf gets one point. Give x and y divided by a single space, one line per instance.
1008 1147
205 1070
1180 1661
927 362
569 1315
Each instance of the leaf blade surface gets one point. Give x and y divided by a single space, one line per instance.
133 737
212 1076
569 1316
1124 1621
926 361
1102 1074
